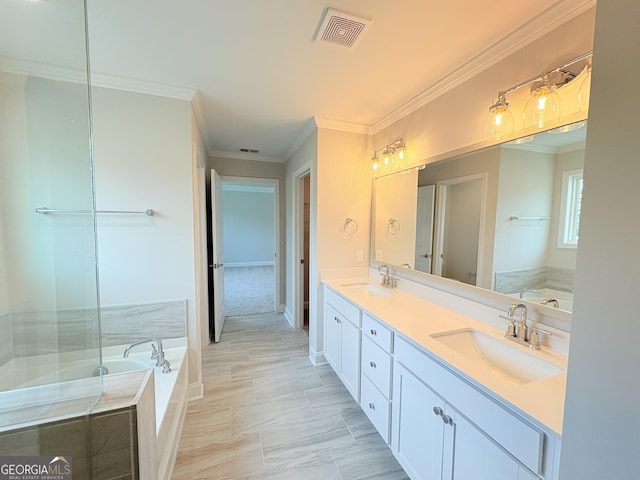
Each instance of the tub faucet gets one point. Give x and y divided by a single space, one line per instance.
552 301
157 354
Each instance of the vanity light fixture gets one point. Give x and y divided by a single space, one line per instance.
544 106
390 158
499 124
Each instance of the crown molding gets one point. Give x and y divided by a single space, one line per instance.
540 25
65 74
255 157
343 125
308 128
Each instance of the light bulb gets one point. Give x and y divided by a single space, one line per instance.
499 124
544 107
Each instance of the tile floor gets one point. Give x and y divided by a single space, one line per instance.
267 413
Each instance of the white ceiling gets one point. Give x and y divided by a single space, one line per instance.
260 75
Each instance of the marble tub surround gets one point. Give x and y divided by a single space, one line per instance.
268 413
534 279
66 330
417 319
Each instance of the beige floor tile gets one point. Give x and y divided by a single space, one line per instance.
268 413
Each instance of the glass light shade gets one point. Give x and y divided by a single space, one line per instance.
584 90
544 107
499 124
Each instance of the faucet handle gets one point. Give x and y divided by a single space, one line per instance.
534 338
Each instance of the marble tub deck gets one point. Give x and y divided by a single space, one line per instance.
267 413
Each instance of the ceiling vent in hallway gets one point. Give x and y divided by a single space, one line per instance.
249 150
342 29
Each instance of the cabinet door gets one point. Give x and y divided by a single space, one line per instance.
468 453
332 337
417 430
350 358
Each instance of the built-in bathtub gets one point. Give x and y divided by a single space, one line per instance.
70 377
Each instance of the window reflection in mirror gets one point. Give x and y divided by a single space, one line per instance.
504 218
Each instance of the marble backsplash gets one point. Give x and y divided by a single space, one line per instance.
534 279
37 333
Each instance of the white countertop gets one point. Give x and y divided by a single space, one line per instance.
417 319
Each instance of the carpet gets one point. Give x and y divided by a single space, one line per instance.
248 290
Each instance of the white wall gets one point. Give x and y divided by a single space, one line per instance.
601 428
525 189
143 156
248 220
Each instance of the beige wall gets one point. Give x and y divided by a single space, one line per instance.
601 428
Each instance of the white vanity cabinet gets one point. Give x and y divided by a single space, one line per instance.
443 428
375 397
342 339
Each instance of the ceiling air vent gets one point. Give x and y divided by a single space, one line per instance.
249 150
342 29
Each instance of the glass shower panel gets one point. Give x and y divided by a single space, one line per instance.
49 317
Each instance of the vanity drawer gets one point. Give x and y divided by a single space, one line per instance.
346 309
376 407
376 365
376 331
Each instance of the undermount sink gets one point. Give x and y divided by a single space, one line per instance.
367 288
510 361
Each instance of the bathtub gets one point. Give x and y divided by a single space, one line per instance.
68 379
565 299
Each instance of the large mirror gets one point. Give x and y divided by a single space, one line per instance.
504 218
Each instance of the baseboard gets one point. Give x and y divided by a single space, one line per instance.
281 308
267 263
317 358
196 391
288 315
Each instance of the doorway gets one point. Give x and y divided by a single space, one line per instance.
460 213
250 240
301 201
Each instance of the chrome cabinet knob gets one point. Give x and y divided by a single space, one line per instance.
372 406
438 411
373 332
447 420
336 319
372 364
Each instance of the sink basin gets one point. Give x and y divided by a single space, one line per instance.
510 361
367 289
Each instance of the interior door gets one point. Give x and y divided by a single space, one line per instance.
424 228
217 255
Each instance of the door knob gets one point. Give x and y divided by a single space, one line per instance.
426 255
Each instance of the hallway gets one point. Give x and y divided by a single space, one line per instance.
268 413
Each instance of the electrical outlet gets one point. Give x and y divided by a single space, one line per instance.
379 255
359 256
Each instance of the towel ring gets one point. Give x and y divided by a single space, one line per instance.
350 226
393 227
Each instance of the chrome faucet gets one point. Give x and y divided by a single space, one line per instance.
387 277
521 328
157 354
552 301
518 333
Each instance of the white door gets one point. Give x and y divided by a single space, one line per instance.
217 255
424 228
